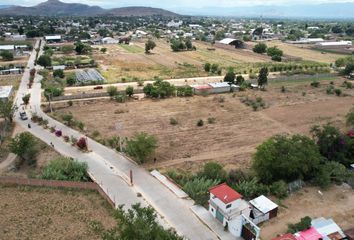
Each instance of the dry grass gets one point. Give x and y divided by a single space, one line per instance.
10 80
232 139
304 52
43 213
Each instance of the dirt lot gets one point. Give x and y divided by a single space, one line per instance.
43 213
10 80
238 129
304 52
122 61
308 202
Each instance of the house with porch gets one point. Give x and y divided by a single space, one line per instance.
228 207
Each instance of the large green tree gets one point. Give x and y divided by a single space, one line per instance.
230 76
25 146
138 223
286 158
149 45
44 61
7 110
263 77
141 146
260 48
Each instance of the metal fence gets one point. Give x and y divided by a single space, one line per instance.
303 77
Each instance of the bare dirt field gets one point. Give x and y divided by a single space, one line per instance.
304 52
237 130
10 80
43 213
336 203
129 61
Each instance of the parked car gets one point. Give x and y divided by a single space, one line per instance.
98 87
23 116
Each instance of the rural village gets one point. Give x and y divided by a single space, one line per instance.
124 126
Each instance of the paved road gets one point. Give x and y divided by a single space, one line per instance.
110 169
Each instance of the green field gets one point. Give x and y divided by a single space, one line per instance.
131 48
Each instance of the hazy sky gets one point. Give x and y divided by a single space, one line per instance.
170 4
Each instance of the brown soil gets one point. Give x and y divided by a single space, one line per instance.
336 203
232 139
43 213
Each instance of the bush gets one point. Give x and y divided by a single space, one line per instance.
251 188
214 171
141 146
338 92
65 169
315 84
120 98
173 121
276 58
112 91
279 189
330 89
159 89
214 68
7 55
260 48
211 120
198 188
350 117
274 51
71 80
82 143
207 67
129 91
26 98
58 73
200 123
44 61
304 224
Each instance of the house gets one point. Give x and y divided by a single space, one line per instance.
10 48
287 236
228 207
52 39
232 42
309 234
5 92
201 89
262 209
328 228
109 40
220 87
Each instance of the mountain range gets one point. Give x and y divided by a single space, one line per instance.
58 8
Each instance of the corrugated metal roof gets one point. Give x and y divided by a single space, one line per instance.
263 204
227 40
7 47
219 84
326 226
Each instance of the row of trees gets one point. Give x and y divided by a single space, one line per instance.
178 45
231 78
274 52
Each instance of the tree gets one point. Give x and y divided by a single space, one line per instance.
349 68
7 55
129 91
332 172
198 188
214 68
26 98
260 48
239 80
230 76
137 223
71 80
81 48
263 77
149 45
58 73
337 29
159 89
207 67
189 44
112 91
7 110
214 171
65 169
141 146
350 117
24 146
274 51
333 145
286 158
44 61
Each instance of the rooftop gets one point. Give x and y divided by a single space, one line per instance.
287 236
219 84
263 204
309 234
227 40
5 91
225 193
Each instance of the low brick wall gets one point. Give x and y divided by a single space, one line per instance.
55 184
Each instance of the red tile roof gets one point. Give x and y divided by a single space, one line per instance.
225 193
287 236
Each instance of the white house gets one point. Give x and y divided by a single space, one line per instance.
228 207
175 24
56 38
5 92
263 209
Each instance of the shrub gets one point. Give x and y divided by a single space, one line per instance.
141 146
214 68
338 92
112 91
198 188
65 169
26 98
82 143
129 91
200 123
283 90
260 48
276 58
251 188
279 189
58 73
58 133
120 98
305 223
70 103
140 82
66 138
315 84
207 67
350 117
211 120
330 89
173 121
214 171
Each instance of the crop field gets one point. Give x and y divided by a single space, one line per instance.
236 129
305 52
43 213
126 62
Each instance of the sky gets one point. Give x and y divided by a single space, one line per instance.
170 4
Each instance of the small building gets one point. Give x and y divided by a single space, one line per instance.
287 236
339 44
5 92
201 89
18 37
263 209
109 40
220 87
59 67
327 228
228 207
309 234
10 48
232 42
52 39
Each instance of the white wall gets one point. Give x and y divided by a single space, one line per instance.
235 226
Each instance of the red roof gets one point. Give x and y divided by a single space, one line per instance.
287 236
309 234
225 193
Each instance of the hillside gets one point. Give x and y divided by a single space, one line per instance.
58 8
